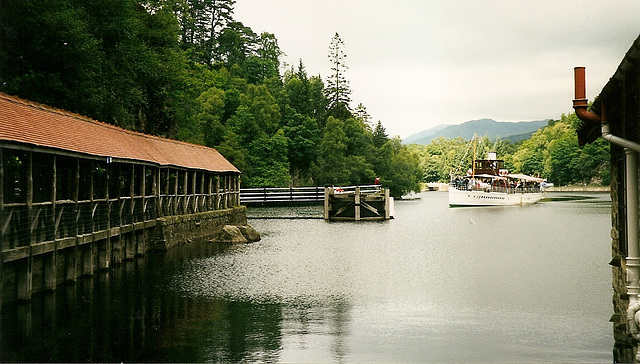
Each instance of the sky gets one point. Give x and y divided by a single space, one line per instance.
416 64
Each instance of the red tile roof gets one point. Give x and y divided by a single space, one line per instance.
27 122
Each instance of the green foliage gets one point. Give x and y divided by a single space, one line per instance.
187 69
552 153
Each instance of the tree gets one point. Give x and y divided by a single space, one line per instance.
268 159
338 92
380 135
235 44
303 136
201 24
210 116
362 115
110 60
330 167
399 168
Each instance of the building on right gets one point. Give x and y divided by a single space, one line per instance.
615 116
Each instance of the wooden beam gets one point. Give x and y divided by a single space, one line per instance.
357 204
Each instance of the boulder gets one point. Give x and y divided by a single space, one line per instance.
250 233
230 234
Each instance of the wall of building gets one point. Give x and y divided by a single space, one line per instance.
623 350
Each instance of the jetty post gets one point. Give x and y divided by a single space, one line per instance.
356 203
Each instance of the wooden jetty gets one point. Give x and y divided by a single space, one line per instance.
358 203
281 195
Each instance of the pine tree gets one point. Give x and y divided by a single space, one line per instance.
338 92
380 135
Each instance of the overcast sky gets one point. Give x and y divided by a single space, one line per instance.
415 64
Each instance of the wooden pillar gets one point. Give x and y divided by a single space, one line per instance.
387 204
326 202
226 191
71 257
357 204
210 195
202 200
132 192
155 191
24 273
49 260
175 194
49 271
29 196
186 193
217 200
143 192
237 190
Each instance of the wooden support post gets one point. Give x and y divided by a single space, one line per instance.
71 263
238 194
88 259
225 194
194 203
217 192
387 204
49 271
24 278
327 192
186 193
210 194
71 256
175 194
29 201
132 193
357 204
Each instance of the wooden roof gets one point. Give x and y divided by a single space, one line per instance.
26 122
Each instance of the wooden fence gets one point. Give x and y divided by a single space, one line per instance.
293 195
284 195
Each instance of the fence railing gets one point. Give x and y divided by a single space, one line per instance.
268 195
276 195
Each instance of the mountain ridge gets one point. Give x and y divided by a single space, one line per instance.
514 131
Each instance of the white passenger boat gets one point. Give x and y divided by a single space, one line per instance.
488 183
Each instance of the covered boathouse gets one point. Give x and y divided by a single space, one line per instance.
77 195
615 116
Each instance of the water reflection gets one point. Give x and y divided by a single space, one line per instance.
520 284
128 314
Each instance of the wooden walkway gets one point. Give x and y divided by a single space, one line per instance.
281 196
369 202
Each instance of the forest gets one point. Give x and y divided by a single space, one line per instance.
552 153
188 70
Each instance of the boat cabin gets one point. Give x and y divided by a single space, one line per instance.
488 166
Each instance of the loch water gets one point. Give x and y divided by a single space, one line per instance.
522 284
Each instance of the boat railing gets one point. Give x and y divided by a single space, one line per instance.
498 189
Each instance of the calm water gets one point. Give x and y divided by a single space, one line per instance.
509 284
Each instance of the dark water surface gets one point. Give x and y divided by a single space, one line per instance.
436 284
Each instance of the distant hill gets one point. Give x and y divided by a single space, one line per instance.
514 131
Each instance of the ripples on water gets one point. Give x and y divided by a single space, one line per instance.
467 284
437 284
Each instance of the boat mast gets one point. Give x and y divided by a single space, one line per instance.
473 161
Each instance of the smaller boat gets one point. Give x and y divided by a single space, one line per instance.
488 183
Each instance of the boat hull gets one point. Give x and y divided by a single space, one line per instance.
482 198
